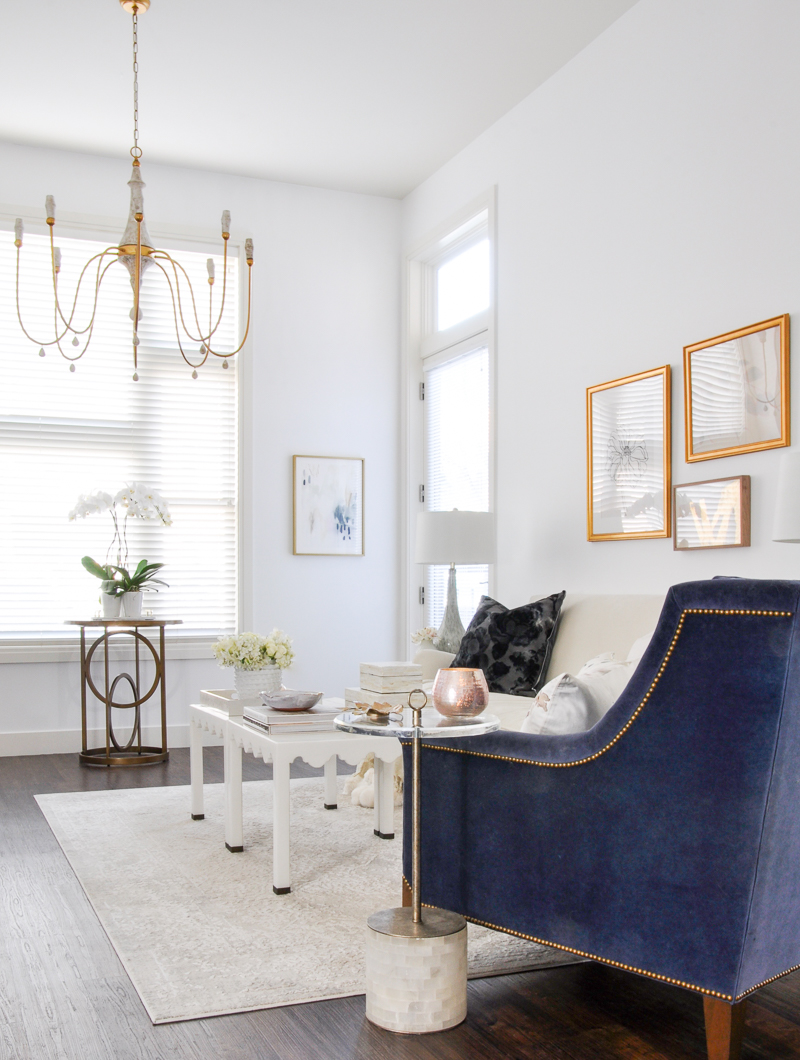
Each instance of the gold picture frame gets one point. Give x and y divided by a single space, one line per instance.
714 513
736 390
327 506
629 448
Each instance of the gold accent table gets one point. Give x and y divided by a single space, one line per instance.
132 753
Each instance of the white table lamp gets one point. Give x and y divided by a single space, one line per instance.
786 526
456 538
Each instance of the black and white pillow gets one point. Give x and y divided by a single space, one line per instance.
511 645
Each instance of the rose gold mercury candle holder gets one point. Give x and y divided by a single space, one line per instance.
459 692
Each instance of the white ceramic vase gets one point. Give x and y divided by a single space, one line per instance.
251 682
111 605
132 605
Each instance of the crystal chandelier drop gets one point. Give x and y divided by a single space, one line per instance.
137 253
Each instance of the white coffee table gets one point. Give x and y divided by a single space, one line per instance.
315 748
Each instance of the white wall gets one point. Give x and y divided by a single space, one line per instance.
647 199
320 377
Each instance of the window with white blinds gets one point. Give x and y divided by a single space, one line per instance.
63 434
457 447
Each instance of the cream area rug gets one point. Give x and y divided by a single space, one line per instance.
198 929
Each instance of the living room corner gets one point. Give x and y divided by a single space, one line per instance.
460 716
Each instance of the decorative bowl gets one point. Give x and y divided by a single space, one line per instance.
290 700
459 692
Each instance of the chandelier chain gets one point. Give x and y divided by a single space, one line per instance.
136 150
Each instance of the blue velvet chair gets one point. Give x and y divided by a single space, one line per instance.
666 840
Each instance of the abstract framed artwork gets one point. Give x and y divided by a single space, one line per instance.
628 456
328 506
737 391
712 514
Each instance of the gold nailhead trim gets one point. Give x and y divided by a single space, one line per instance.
591 758
636 713
766 981
595 957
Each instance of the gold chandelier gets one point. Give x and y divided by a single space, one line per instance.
137 254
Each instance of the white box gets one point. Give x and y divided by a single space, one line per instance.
390 677
222 699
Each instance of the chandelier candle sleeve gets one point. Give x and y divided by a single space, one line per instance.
50 209
18 232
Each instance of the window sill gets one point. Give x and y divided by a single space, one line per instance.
56 648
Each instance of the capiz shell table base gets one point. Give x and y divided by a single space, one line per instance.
416 972
315 748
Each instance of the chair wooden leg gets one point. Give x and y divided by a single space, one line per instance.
406 900
724 1028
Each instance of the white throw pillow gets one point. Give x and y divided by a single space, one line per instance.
640 647
575 704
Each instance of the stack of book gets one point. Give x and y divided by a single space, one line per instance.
317 719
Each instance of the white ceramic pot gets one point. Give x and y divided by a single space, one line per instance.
251 682
132 605
111 605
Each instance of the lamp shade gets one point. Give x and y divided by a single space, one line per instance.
455 537
786 526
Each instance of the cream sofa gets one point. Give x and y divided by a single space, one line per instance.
589 625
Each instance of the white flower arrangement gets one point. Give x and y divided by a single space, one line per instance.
250 651
424 634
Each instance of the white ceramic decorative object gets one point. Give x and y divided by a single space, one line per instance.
132 605
251 682
416 985
390 676
111 605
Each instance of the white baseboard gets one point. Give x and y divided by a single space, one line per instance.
66 741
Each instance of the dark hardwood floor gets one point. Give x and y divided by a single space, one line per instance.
64 993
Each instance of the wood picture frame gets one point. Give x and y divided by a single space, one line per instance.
629 447
736 389
714 513
328 506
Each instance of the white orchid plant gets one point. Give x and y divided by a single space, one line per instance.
250 651
135 501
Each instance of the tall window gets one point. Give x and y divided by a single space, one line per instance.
457 465
64 433
455 361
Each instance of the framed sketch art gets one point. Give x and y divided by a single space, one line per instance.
712 514
328 506
737 391
628 445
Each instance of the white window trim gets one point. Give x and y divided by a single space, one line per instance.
35 648
417 343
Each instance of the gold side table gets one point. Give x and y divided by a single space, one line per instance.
132 753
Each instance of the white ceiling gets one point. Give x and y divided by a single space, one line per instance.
362 95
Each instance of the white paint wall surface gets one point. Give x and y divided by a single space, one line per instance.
319 377
647 199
